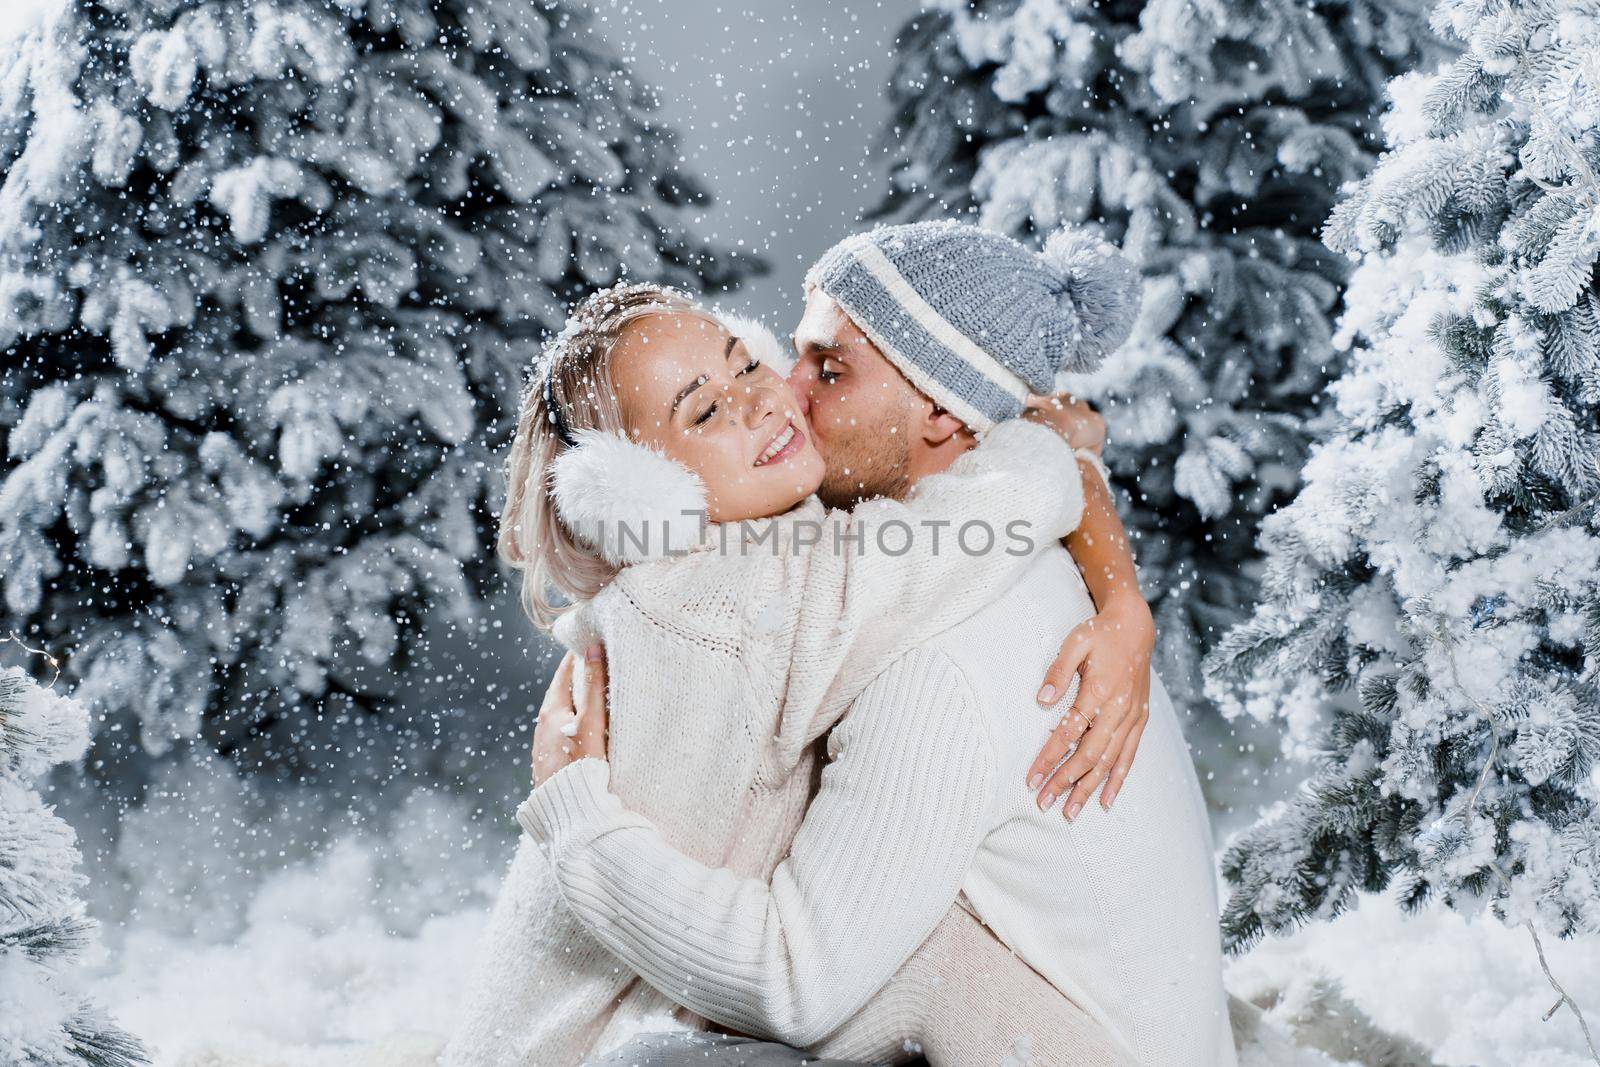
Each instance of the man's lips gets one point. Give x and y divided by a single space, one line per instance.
785 443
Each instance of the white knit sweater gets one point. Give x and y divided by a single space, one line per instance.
724 668
925 799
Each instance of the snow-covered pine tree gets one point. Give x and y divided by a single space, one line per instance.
269 277
45 1021
1430 629
1210 139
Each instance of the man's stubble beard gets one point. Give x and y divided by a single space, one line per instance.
862 464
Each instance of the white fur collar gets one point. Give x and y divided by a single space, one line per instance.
626 500
762 342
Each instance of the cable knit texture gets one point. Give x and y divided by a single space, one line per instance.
975 319
725 667
924 800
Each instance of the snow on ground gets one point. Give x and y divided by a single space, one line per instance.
296 990
1470 991
236 920
337 952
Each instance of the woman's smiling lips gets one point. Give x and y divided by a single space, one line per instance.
787 442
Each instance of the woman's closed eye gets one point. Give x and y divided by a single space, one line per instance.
700 419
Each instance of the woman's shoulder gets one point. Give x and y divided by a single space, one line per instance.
700 598
729 588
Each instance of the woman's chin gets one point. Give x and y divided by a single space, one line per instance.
780 489
806 471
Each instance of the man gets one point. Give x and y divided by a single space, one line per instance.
923 811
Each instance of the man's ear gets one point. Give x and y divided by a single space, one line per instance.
940 426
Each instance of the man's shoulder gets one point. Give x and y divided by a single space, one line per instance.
1007 643
908 682
925 684
926 664
1038 608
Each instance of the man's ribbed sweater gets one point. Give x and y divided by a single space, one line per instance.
725 668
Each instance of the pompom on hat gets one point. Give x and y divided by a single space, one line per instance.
976 320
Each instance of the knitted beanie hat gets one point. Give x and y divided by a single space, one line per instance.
975 320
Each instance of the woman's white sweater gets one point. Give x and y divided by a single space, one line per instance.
763 649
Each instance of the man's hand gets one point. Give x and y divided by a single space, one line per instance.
1080 424
1111 652
563 733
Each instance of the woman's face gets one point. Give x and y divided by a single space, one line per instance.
692 390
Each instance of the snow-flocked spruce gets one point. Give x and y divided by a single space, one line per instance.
270 274
1210 140
1430 628
45 1020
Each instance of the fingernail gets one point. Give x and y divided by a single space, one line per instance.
593 653
1035 780
1047 695
1106 800
1073 809
1046 800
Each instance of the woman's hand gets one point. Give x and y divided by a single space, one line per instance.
1111 653
565 734
1080 424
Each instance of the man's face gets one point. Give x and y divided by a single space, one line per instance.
861 409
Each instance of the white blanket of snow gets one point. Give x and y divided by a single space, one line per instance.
315 977
336 953
1470 991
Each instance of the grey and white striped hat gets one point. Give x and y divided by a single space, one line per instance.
976 320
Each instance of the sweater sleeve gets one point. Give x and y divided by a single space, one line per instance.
891 574
1093 459
878 860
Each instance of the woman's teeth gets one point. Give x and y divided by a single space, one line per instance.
779 443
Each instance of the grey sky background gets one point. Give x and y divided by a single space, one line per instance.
781 107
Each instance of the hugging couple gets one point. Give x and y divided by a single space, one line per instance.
821 793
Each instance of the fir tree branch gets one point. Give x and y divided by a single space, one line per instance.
1584 172
55 664
1494 752
1505 880
1566 999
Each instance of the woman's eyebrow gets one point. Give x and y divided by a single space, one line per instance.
683 394
686 390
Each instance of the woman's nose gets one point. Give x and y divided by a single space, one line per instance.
764 404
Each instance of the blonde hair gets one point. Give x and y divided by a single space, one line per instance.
558 570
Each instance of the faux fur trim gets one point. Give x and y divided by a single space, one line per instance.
762 342
625 500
